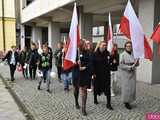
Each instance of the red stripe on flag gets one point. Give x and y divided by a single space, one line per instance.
78 37
124 27
156 37
156 34
67 64
147 49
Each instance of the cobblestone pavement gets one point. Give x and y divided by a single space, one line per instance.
59 105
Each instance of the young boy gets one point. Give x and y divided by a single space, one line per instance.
45 66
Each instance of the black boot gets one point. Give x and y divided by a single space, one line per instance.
95 99
128 106
76 95
109 102
38 87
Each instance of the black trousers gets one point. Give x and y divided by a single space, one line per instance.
59 69
12 71
32 71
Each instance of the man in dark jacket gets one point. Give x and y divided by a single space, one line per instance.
58 59
12 59
32 60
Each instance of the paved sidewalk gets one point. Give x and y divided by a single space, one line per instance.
8 108
59 105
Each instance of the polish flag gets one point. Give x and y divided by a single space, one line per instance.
109 35
132 29
72 42
156 37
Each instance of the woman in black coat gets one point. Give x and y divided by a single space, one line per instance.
102 65
85 72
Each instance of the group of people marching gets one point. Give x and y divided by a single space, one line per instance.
28 62
93 69
97 68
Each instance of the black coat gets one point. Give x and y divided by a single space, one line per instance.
102 66
58 57
33 57
44 62
86 60
50 56
23 57
9 55
115 65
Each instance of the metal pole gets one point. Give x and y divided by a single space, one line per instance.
3 27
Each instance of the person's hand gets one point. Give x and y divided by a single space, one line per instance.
133 67
78 62
18 64
93 76
114 61
82 68
137 62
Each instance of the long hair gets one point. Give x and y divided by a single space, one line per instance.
98 45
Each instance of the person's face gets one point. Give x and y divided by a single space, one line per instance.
115 47
87 45
45 50
129 47
103 46
13 49
33 47
59 45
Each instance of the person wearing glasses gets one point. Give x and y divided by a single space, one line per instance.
128 65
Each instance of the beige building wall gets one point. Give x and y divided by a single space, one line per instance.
9 24
10 32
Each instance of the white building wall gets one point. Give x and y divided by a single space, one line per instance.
146 17
9 8
40 7
36 34
53 34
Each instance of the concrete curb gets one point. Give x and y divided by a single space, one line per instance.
21 106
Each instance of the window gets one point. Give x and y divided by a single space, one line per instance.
98 33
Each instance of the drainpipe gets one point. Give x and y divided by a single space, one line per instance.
3 27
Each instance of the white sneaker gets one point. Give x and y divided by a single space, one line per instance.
112 95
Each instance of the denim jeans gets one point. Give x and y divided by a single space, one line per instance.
66 77
46 77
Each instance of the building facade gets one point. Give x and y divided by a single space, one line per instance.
7 24
48 20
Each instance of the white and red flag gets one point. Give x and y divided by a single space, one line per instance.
132 29
156 37
109 35
72 42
